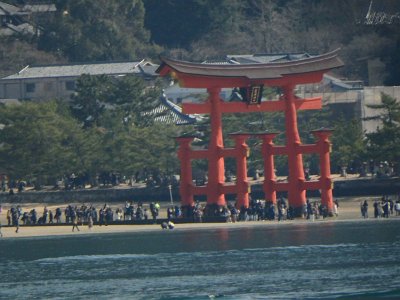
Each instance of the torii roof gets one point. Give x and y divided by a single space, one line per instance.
306 69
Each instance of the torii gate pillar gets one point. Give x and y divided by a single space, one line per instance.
269 166
296 192
216 166
324 148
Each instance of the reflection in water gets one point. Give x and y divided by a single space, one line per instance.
223 238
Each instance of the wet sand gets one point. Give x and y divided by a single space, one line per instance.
349 210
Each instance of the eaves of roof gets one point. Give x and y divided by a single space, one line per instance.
39 8
24 28
8 9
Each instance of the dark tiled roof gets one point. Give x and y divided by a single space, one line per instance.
76 70
169 113
148 70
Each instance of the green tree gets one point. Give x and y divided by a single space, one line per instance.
98 30
133 100
192 19
348 144
41 143
384 143
16 53
90 98
128 151
121 110
99 99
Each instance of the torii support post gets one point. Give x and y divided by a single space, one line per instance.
186 185
324 148
242 151
269 166
216 169
296 191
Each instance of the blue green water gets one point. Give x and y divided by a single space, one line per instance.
357 260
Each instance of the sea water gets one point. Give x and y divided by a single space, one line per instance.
357 260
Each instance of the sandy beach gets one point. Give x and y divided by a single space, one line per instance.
349 209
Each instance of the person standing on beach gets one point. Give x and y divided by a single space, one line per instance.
74 220
309 209
154 211
15 219
51 217
45 214
101 217
397 208
58 215
1 234
336 207
90 221
364 209
386 208
376 209
9 217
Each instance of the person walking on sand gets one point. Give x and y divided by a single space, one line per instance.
1 234
75 224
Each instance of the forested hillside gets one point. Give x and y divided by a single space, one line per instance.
85 30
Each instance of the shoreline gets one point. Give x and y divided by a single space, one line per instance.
349 211
49 231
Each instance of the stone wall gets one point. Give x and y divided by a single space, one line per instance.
342 188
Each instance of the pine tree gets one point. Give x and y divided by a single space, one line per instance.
384 143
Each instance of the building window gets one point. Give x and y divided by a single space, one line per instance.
70 85
30 87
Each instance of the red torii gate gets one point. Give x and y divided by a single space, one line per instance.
285 75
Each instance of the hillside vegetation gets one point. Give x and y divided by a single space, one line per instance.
85 30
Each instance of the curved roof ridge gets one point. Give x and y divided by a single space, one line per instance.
269 70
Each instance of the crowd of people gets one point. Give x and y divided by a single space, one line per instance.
383 208
83 214
88 214
258 210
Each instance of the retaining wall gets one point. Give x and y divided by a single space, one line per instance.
342 188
